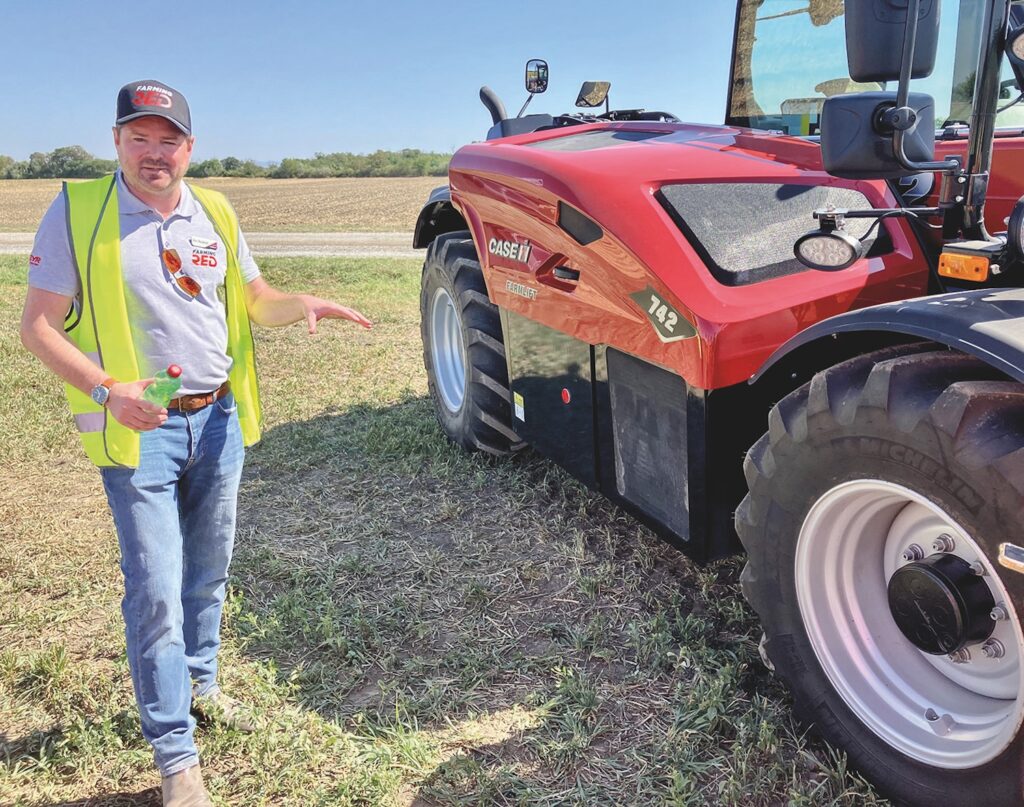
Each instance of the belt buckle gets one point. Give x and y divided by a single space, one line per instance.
193 403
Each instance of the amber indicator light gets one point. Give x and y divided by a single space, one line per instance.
964 267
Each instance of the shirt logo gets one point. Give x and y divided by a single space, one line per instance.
204 252
35 260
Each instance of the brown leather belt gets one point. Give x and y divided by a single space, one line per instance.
193 403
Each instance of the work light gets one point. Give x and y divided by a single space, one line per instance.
828 249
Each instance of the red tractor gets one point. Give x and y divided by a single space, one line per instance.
820 286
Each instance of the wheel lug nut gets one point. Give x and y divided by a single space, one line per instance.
944 543
999 613
961 656
993 648
913 553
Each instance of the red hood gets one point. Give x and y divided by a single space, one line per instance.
671 152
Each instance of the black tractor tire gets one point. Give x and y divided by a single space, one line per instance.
467 374
946 432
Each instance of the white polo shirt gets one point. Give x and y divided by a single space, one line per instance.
168 325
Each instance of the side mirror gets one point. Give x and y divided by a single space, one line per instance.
593 93
857 144
536 76
875 32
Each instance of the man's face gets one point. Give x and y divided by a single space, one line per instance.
154 154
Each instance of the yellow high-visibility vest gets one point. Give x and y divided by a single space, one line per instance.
100 326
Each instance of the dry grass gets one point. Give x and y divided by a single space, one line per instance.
267 205
421 626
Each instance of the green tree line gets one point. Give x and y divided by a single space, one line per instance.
74 162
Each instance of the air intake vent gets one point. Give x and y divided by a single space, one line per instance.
584 229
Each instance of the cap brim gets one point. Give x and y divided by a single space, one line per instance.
134 115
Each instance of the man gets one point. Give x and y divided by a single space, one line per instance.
128 275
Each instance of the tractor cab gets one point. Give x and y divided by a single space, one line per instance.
790 56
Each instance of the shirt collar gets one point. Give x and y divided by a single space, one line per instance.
128 202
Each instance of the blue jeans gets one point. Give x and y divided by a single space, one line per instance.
175 520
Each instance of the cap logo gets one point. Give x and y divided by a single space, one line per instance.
152 96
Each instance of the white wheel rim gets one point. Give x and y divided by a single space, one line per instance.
943 714
447 350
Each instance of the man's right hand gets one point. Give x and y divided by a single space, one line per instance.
129 409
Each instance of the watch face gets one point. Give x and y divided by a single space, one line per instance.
100 394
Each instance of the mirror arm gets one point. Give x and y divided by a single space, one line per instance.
902 117
523 109
831 217
909 44
952 165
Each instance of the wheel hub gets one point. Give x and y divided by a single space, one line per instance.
940 604
854 539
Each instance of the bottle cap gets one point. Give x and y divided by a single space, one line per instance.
173 371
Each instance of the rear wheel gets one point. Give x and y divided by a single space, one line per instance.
878 500
463 349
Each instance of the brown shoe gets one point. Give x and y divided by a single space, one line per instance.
185 789
216 707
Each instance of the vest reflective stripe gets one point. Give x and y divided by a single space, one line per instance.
103 332
91 421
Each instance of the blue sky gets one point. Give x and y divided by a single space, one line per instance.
267 80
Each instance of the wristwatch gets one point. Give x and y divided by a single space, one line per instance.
101 391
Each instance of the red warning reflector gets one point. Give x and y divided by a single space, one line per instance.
566 397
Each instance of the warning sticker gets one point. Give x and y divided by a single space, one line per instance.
518 402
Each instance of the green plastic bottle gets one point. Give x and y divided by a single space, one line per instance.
167 383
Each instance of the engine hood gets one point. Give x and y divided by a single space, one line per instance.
656 152
515 191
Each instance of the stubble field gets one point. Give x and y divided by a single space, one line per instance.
364 204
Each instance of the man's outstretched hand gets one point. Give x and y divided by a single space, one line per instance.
317 309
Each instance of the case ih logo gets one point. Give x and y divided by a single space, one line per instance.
510 249
152 96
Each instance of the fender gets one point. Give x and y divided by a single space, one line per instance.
986 323
437 217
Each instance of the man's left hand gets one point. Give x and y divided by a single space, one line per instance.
317 309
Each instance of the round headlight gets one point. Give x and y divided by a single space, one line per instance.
828 250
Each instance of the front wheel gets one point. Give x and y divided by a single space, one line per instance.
464 349
877 504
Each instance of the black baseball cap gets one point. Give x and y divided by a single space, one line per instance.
141 98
